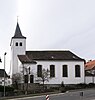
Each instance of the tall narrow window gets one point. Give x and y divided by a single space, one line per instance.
65 71
39 70
52 70
20 43
25 78
77 70
16 44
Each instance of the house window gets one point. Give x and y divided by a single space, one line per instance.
39 70
65 71
52 70
16 44
20 43
25 78
77 70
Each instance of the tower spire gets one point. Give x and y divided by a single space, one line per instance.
18 47
18 33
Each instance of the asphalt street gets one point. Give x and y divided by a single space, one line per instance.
75 95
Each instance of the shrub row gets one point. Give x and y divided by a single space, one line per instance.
77 86
7 88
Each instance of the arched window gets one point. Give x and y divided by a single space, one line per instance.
16 44
52 70
20 43
65 71
39 70
77 70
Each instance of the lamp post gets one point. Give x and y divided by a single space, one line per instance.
4 72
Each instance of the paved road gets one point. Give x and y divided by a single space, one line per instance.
87 95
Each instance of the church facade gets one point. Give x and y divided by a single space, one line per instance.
63 66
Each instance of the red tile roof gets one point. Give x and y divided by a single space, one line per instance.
90 65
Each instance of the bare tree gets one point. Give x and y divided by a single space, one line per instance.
25 76
45 76
27 70
16 79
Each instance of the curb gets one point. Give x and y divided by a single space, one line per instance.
30 95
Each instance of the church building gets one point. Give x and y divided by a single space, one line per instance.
63 66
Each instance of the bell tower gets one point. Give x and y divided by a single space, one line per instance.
18 47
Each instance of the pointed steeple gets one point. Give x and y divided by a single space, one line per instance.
18 33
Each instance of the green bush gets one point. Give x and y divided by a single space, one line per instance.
90 85
7 88
70 88
63 87
82 85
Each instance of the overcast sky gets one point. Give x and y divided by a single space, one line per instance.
49 24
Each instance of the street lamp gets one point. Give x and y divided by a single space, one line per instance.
4 72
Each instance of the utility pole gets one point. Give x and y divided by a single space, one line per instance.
23 76
4 72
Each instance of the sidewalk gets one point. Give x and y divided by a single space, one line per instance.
28 95
40 94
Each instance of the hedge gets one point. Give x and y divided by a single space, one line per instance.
7 88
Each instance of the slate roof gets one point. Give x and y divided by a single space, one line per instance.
53 55
25 59
2 73
18 33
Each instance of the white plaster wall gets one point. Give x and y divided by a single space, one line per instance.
89 79
16 50
33 69
71 79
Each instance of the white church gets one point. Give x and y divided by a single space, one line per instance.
63 65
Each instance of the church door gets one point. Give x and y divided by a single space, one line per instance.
31 78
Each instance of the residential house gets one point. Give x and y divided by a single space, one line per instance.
7 78
90 72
